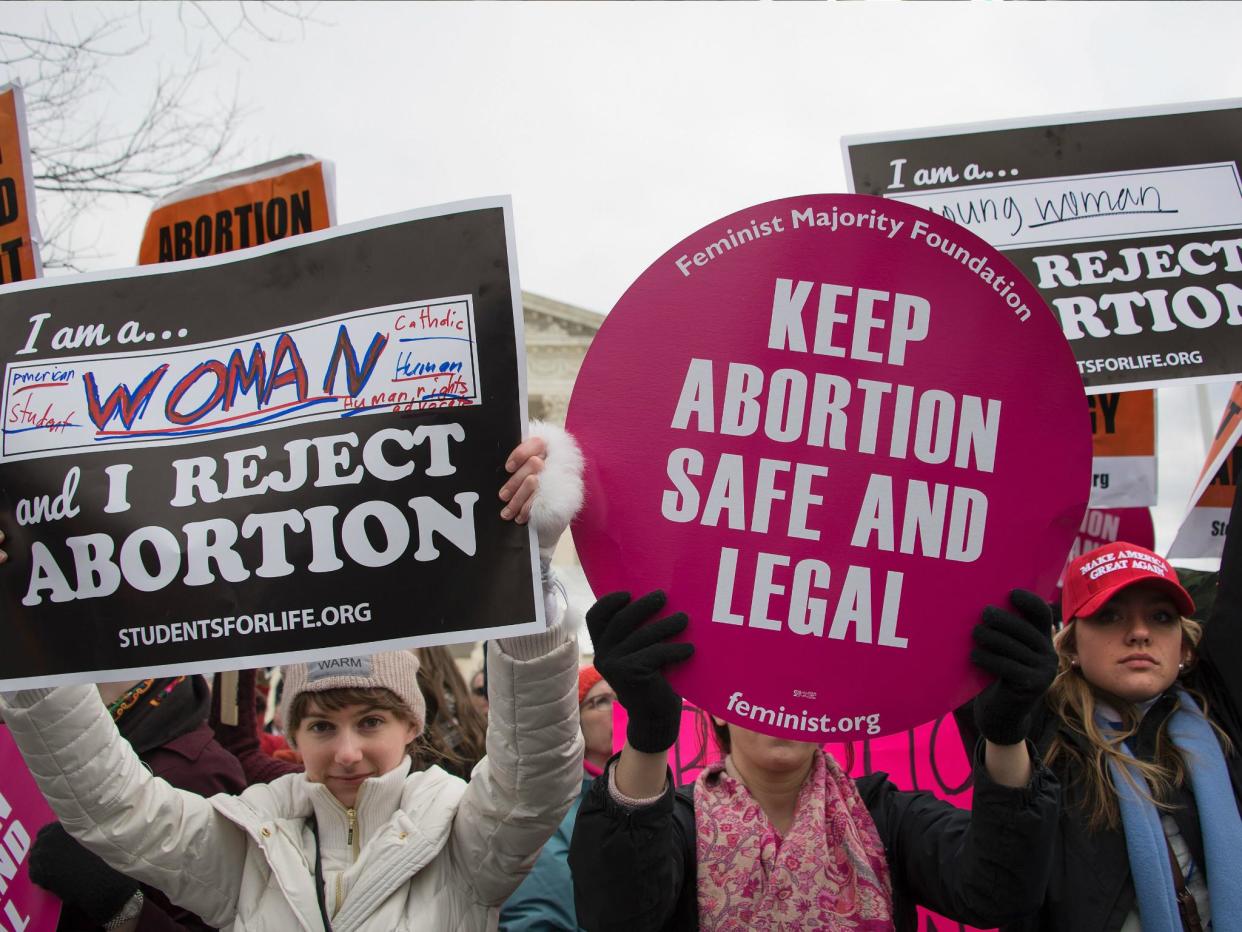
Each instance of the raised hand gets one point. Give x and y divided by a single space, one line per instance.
1017 650
631 654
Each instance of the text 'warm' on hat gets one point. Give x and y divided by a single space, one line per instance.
395 670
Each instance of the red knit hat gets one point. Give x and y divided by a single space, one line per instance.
588 676
1093 579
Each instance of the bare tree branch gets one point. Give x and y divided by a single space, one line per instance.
80 154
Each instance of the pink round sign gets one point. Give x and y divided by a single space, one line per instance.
832 428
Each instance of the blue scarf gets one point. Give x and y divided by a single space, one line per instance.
1218 818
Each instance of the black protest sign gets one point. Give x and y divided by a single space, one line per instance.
265 454
1129 223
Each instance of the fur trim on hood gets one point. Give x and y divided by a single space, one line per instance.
560 485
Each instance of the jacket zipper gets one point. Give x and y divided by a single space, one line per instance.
351 839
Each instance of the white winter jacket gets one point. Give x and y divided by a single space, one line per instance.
428 851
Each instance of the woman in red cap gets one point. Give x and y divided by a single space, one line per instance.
1144 737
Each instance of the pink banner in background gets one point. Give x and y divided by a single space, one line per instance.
24 907
1102 526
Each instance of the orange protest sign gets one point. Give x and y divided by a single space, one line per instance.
244 208
19 229
1123 434
1203 530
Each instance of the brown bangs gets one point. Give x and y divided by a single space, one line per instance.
334 700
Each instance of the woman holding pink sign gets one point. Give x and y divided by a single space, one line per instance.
777 837
1144 730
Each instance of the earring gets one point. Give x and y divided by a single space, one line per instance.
1181 667
1073 661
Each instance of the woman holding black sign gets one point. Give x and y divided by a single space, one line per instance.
359 841
777 837
1143 727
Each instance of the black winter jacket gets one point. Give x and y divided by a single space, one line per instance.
1091 889
635 870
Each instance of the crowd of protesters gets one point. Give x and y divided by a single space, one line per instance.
1106 772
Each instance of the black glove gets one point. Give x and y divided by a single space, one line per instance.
631 656
1017 650
59 864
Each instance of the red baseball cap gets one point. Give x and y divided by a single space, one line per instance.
1093 578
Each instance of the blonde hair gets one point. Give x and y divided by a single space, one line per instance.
1073 699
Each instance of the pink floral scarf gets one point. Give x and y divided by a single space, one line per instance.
829 872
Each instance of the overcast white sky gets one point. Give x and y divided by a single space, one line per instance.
619 129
